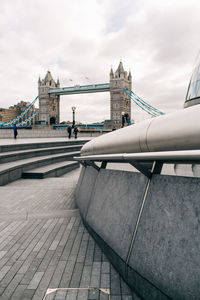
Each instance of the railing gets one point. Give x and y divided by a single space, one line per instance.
169 139
172 132
148 163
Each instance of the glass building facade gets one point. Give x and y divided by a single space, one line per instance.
193 92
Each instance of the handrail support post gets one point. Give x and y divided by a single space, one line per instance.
141 168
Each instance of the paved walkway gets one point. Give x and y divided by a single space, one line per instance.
44 245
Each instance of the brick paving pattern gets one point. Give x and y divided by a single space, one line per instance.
44 245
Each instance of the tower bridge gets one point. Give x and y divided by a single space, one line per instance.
49 93
120 100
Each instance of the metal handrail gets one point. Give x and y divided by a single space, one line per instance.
182 156
172 132
139 160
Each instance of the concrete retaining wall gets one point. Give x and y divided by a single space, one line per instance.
32 133
150 230
39 133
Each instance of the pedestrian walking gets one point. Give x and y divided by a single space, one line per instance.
15 131
69 130
75 132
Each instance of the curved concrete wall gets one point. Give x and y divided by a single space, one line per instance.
149 229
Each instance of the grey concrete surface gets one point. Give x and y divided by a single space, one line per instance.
43 244
28 153
52 170
115 206
167 246
85 189
165 251
13 170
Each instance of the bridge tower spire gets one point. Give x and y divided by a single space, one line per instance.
120 103
48 103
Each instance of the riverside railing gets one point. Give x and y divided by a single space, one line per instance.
147 163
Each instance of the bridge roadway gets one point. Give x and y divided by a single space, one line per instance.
43 245
80 89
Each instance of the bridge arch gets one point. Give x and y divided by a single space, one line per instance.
52 120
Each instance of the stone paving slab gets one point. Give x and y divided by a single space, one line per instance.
52 249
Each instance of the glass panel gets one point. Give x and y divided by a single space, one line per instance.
194 86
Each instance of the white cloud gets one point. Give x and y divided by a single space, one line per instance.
157 40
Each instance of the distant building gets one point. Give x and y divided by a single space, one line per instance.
7 114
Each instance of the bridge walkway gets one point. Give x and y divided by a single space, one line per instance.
43 245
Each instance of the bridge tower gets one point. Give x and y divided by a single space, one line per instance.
120 103
49 111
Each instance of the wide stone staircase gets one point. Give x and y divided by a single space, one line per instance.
38 159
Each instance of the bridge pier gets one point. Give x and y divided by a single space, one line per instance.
49 104
120 102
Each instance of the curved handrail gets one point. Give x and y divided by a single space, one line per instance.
175 131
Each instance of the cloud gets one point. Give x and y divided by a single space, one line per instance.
157 40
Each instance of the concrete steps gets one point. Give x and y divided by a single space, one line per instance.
53 170
37 145
37 160
23 154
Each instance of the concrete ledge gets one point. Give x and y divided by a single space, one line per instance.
18 155
162 260
39 145
33 133
46 133
53 170
13 172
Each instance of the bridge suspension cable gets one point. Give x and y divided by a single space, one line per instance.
144 105
29 119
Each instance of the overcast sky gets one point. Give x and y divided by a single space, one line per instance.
157 40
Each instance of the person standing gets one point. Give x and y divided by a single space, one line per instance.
75 132
69 130
15 131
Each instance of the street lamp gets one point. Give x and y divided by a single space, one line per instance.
73 115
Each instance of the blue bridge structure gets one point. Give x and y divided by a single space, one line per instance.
80 89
